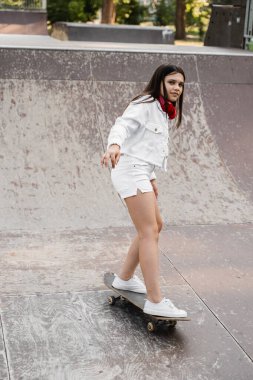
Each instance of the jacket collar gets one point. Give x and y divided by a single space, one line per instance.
160 108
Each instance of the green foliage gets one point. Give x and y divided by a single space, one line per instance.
76 10
165 12
197 15
250 46
130 12
57 10
73 10
20 4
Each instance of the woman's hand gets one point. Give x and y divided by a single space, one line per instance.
155 188
112 153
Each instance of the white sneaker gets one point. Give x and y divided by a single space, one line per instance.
134 284
165 308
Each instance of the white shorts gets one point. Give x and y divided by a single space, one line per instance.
131 174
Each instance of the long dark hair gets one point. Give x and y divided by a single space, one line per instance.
153 88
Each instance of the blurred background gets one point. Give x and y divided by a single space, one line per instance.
226 23
188 18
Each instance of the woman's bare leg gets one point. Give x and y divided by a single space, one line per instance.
142 209
132 258
131 261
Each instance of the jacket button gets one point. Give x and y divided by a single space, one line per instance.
156 129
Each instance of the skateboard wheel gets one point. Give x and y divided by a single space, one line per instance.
172 323
151 327
111 300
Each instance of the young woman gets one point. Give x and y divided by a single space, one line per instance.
137 144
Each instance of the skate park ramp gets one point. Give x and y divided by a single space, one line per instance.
58 127
63 225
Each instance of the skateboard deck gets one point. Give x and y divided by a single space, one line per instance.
138 300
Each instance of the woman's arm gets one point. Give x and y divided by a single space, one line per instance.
125 125
135 115
113 153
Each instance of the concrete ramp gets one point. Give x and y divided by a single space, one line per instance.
58 105
62 225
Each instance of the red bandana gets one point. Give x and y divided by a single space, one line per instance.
168 107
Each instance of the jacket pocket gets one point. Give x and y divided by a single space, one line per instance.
155 128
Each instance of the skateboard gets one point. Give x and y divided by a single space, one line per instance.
138 300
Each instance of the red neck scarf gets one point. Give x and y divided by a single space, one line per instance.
168 107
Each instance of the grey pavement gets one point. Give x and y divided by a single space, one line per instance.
62 224
47 42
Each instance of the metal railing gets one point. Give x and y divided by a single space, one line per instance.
248 26
23 4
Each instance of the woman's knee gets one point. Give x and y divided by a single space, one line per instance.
149 232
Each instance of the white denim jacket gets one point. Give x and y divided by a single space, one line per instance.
142 132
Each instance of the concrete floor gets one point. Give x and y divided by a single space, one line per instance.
37 41
62 224
56 323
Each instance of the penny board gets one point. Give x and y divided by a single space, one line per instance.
138 300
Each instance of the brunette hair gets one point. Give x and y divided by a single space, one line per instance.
153 87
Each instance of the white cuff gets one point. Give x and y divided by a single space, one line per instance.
112 143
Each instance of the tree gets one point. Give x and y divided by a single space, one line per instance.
180 20
130 12
108 12
165 11
172 12
57 10
72 10
123 12
198 15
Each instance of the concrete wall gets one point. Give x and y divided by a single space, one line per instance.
112 33
58 106
23 22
